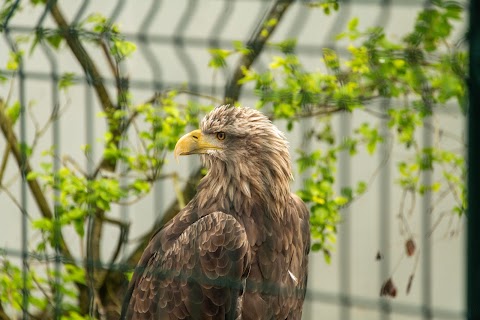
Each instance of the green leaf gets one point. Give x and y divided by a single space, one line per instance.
218 59
287 46
122 49
240 47
44 224
66 80
316 246
14 59
25 149
55 40
353 24
32 175
141 186
361 188
13 112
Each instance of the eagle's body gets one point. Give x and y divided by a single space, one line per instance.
239 249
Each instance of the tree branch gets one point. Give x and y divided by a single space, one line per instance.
94 233
83 57
256 44
25 167
3 166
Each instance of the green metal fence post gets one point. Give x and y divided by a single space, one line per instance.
473 238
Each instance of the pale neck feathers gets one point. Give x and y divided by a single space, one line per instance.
255 176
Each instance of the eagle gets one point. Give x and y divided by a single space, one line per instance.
239 249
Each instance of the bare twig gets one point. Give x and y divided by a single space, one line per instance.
67 159
401 213
12 198
124 230
41 130
200 95
106 53
42 290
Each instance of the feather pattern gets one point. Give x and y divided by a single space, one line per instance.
239 249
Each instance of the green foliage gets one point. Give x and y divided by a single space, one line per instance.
13 112
66 80
41 288
14 60
416 72
326 5
7 10
219 58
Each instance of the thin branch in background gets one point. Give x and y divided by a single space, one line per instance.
412 274
41 130
108 57
124 230
212 98
137 147
452 187
3 166
401 214
42 290
67 159
377 114
439 219
376 172
82 57
412 203
397 265
12 198
10 89
321 111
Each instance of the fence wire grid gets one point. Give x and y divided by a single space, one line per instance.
176 55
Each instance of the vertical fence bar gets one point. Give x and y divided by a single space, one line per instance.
180 48
344 241
344 164
145 42
90 136
427 178
426 246
23 185
385 212
24 200
473 222
385 182
58 295
56 167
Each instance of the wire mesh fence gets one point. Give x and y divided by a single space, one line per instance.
172 39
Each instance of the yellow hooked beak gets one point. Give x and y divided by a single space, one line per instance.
194 143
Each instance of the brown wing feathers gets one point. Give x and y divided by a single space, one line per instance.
200 274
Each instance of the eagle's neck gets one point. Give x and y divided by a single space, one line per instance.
245 186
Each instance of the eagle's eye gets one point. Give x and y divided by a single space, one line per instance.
221 135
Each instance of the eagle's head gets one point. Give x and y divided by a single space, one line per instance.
244 152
